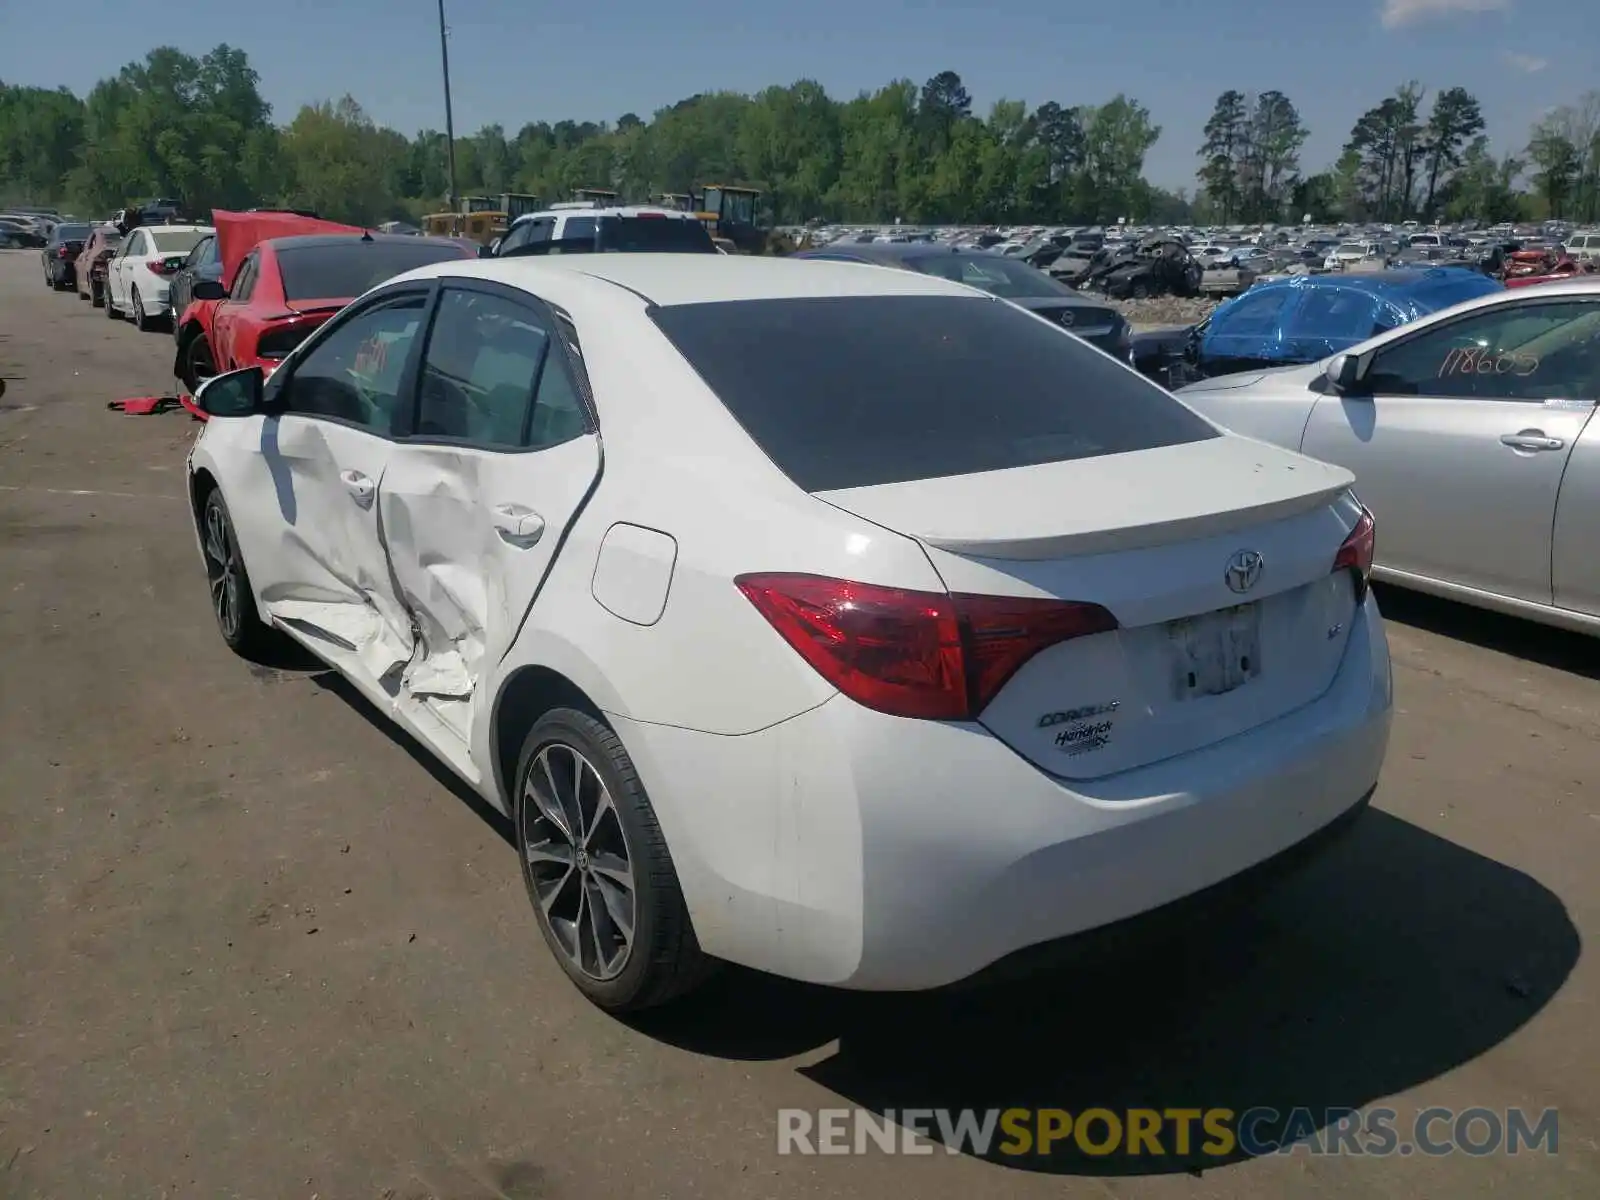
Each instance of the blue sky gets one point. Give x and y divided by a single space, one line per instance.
515 62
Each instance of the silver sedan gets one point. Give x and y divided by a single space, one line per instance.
1471 439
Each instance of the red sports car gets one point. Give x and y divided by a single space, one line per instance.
276 289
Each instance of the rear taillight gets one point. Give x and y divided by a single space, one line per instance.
915 654
61 250
278 343
158 267
1355 555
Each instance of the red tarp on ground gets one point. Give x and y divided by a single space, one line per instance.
239 233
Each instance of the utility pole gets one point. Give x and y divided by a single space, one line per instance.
449 119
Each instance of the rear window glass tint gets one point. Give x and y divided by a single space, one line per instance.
853 391
339 270
175 241
671 234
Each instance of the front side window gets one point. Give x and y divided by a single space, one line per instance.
354 373
854 391
1532 352
478 373
201 254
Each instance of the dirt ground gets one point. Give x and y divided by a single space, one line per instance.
252 944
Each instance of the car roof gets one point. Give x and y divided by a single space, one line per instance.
893 252
177 228
673 279
1378 283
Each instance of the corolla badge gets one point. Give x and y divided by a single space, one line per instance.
1243 570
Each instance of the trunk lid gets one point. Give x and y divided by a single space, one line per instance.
1151 536
1085 320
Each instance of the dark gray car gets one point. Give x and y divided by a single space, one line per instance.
1091 319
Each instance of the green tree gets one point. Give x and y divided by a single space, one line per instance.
1560 164
40 135
1116 137
1223 152
1455 121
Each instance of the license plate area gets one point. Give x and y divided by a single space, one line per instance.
1216 652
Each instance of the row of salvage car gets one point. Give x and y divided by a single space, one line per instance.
741 713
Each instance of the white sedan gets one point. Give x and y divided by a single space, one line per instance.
851 624
138 275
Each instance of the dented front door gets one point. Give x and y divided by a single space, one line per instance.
476 502
315 534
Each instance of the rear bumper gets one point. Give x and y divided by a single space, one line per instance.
155 297
850 848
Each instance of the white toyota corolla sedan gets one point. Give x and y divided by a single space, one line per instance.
848 623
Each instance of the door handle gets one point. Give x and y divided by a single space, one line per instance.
518 525
1531 439
360 487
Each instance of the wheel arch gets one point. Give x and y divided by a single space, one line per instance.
525 696
201 484
188 331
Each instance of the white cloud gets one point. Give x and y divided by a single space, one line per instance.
1408 12
1527 62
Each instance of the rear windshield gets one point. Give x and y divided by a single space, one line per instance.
641 234
852 391
338 270
71 233
177 241
991 273
1434 296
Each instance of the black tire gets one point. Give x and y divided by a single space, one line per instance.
196 350
105 297
663 960
1139 291
246 634
136 312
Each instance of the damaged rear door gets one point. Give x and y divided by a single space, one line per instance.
317 526
476 501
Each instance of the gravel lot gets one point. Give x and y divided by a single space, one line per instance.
252 944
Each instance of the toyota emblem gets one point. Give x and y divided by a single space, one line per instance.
1243 570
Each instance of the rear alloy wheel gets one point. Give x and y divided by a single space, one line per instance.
232 601
111 309
140 320
597 868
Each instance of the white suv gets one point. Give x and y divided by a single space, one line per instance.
617 228
1584 245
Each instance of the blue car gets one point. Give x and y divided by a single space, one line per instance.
1306 318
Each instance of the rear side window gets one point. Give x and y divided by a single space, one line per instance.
852 391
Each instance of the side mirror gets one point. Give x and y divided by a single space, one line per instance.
208 289
235 394
1344 372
